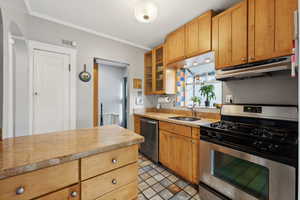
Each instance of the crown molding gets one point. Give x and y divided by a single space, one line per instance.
58 21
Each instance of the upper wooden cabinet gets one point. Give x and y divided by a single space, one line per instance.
190 40
158 70
230 36
158 79
198 35
148 89
175 46
271 28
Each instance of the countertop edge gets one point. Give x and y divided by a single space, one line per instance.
184 123
7 173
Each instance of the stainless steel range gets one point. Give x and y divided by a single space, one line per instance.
251 154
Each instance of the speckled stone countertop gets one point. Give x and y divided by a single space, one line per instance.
24 154
166 117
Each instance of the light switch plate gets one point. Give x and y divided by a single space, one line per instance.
229 98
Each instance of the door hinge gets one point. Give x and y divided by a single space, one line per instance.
69 67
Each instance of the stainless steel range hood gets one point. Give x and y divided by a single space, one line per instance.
256 69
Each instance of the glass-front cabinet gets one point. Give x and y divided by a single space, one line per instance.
158 70
158 79
148 73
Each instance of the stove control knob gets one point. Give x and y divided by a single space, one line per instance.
273 147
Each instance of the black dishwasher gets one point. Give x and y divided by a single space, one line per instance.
149 129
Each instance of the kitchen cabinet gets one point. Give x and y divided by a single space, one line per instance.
164 147
71 169
271 28
158 70
148 77
158 78
198 35
229 37
181 160
137 124
175 46
178 151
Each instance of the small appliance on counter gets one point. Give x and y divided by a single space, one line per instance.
251 154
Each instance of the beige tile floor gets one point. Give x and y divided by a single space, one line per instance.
158 183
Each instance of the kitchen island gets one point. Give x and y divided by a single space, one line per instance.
91 163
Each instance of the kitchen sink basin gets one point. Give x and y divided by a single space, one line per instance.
188 119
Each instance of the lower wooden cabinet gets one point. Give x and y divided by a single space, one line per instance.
70 193
164 147
128 192
40 182
137 124
96 187
180 154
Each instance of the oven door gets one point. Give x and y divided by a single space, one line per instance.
242 176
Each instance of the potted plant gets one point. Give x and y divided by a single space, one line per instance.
196 100
207 91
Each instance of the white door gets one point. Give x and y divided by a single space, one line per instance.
51 92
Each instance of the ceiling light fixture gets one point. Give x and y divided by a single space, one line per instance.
145 11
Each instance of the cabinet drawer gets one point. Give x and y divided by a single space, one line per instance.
37 183
128 192
104 162
196 133
100 185
175 128
70 193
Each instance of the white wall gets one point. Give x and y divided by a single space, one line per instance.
89 47
21 90
281 88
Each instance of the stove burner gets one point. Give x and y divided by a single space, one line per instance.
258 131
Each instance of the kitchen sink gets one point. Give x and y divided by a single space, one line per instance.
189 119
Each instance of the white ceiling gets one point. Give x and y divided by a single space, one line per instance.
115 18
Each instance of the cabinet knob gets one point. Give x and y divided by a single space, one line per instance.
244 59
74 194
20 190
114 181
251 58
114 161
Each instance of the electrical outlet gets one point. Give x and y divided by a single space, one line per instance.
229 98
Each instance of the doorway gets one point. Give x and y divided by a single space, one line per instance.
112 93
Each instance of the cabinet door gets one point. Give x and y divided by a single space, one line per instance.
180 156
195 161
164 147
158 70
137 124
148 76
205 31
225 43
175 45
261 29
284 26
215 40
239 34
192 38
198 35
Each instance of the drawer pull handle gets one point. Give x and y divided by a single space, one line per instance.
114 181
114 161
73 194
20 190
